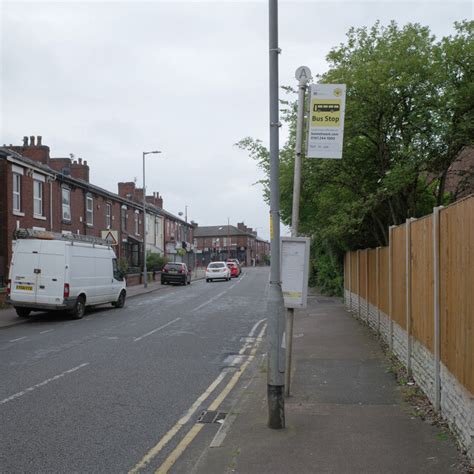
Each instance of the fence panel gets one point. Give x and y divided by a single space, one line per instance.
399 275
354 272
372 256
362 275
347 277
383 279
457 290
422 323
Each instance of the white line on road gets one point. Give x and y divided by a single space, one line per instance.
255 326
44 382
155 330
44 332
19 339
197 308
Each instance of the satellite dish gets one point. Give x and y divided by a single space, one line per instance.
66 171
180 213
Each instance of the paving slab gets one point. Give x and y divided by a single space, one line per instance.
346 413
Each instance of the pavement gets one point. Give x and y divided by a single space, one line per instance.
346 412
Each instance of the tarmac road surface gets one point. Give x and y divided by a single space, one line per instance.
97 394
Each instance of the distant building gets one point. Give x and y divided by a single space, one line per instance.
227 241
460 175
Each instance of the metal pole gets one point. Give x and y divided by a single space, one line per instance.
145 279
295 212
275 374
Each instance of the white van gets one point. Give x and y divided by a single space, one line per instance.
50 271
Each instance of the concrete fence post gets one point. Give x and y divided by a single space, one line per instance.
367 284
377 276
350 281
390 291
437 342
408 291
358 283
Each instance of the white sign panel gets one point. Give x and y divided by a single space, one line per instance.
326 120
294 271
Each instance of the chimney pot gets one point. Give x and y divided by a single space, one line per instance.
25 141
80 161
85 163
32 140
38 140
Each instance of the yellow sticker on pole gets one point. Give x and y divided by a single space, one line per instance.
271 227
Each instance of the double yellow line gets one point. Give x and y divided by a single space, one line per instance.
196 428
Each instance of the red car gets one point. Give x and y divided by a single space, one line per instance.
234 269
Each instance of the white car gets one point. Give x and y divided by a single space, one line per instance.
217 271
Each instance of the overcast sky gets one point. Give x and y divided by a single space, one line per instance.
109 80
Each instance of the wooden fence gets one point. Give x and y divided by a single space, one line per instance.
424 283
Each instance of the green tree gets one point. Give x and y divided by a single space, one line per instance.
408 114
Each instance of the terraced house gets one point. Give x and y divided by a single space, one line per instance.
45 193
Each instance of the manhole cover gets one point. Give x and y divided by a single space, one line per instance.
211 416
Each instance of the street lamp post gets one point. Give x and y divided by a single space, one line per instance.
145 276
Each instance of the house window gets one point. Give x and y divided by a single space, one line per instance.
123 218
137 230
89 210
16 192
66 200
108 215
37 198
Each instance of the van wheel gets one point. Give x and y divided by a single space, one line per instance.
120 303
79 308
23 312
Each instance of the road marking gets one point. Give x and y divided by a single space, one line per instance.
182 421
223 431
155 330
19 339
44 332
194 431
41 384
255 326
214 298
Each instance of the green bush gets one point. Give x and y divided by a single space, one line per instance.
155 261
123 266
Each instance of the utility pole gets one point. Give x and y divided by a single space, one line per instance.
303 75
276 320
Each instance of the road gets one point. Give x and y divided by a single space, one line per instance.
97 394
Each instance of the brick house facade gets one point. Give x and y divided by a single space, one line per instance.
41 192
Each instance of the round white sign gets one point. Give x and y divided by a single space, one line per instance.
303 74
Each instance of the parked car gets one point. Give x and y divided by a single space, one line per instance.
217 271
50 271
234 269
176 272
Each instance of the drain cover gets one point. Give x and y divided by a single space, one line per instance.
211 416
